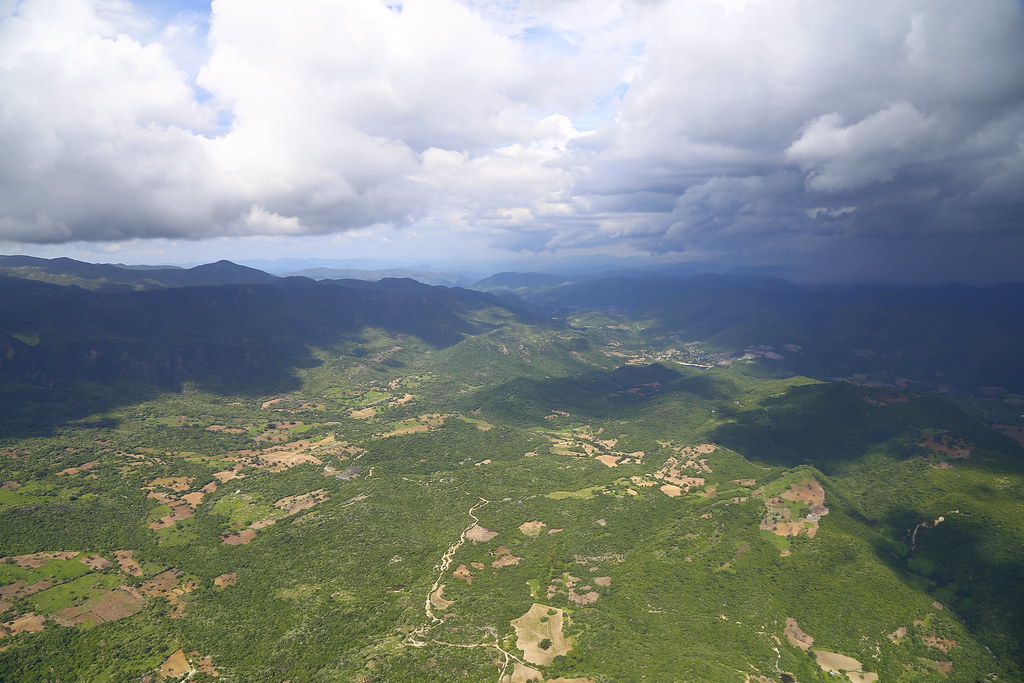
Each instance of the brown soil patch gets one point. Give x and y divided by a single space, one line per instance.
175 666
95 562
428 422
789 529
478 534
686 458
108 606
127 562
901 632
944 644
10 486
505 561
73 616
948 445
278 462
833 661
205 665
36 560
20 589
671 473
267 404
477 565
603 580
227 475
179 511
808 491
463 573
861 677
671 490
583 442
281 457
437 599
555 531
225 429
194 498
586 594
247 535
179 484
1012 431
415 429
363 413
28 623
744 482
583 598
532 528
641 481
522 674
295 504
778 516
241 538
531 631
163 583
796 636
225 580
81 468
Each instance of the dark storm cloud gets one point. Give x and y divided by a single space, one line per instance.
741 130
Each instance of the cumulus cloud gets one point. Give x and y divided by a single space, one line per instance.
837 157
710 126
313 118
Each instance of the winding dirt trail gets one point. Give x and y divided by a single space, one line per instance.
446 561
416 637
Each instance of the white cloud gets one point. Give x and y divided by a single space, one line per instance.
838 157
669 126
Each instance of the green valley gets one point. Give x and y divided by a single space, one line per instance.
353 481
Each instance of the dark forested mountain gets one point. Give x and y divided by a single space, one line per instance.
705 479
953 335
65 271
227 338
427 277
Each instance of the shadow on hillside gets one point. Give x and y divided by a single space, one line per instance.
607 394
817 424
973 569
70 354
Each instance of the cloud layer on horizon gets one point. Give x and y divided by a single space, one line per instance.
732 129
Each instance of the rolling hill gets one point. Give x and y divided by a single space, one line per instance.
387 481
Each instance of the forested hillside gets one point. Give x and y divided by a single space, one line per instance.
353 481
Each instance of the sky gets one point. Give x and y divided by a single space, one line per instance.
841 140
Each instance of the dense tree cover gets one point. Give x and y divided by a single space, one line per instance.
376 449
